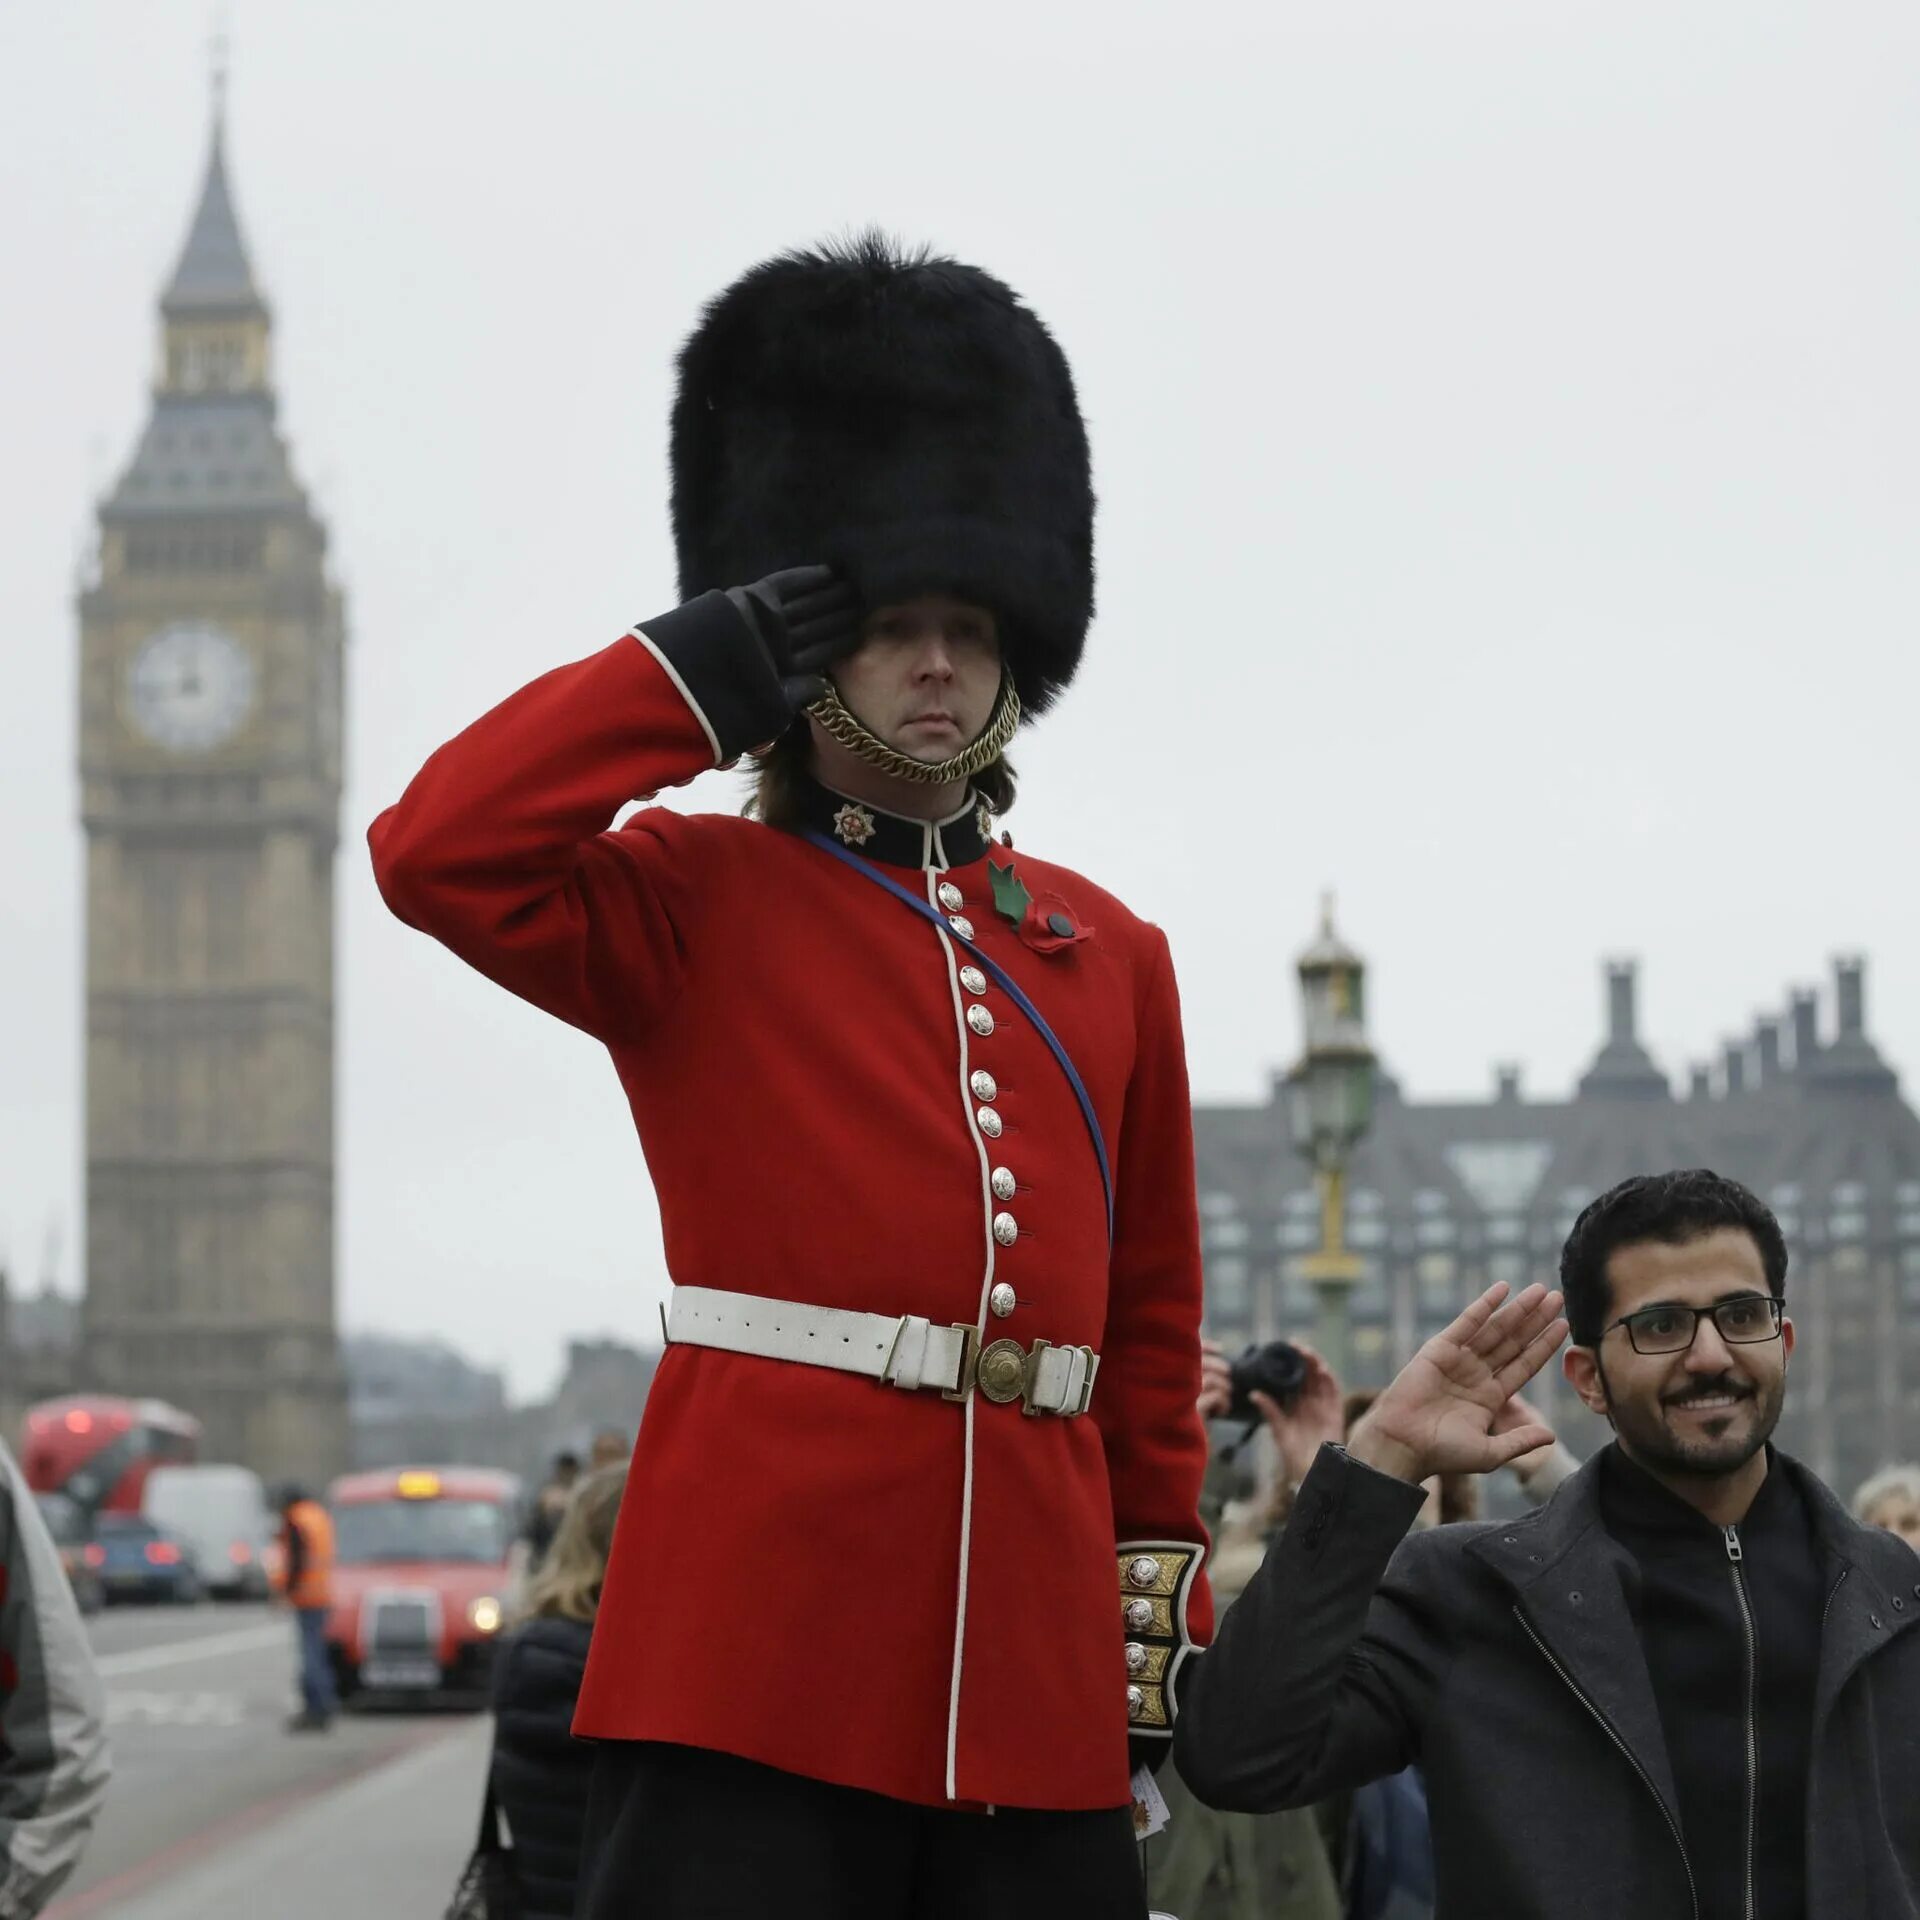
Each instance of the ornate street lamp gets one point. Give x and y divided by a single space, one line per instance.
1330 1100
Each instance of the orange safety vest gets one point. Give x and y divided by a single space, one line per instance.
312 1585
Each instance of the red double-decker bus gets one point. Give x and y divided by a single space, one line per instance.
98 1449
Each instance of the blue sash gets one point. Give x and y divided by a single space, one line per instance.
1004 981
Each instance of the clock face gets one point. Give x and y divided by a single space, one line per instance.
190 686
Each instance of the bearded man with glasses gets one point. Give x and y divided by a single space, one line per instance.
1687 1686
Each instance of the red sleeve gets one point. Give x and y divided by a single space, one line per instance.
1149 1379
500 845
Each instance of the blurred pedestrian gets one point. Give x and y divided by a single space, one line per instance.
612 1447
1891 1500
549 1507
1682 1688
540 1771
53 1720
305 1583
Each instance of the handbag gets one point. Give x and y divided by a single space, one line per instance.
489 1889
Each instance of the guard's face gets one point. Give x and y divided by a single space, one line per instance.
1705 1410
924 676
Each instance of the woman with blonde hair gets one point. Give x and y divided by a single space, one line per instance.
540 1772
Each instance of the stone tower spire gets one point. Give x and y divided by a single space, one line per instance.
214 273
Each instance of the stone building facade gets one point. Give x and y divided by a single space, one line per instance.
1446 1197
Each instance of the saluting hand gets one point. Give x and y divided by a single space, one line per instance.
806 618
1441 1413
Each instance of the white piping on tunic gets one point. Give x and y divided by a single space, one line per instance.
980 1321
667 667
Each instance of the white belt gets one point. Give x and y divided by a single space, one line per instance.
904 1350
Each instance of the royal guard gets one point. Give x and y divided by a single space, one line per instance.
909 1557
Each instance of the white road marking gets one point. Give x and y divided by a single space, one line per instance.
212 1647
175 1709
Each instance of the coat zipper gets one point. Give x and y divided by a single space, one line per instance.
1735 1560
1606 1727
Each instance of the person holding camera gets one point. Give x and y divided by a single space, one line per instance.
1691 1660
910 1560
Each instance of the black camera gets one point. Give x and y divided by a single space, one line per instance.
1279 1368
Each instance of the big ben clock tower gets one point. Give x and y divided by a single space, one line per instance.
210 718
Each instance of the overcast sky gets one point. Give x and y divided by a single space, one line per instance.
1506 421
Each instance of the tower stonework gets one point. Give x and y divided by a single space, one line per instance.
211 655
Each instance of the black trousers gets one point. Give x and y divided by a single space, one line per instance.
681 1833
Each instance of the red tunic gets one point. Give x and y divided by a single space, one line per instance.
871 1586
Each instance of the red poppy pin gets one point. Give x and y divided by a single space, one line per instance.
1043 921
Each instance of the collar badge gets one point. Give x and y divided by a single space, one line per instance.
853 826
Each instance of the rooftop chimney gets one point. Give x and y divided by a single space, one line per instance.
1699 1082
1850 1062
1733 1061
1850 981
1620 1002
1622 1067
1766 1046
1806 1028
1506 1083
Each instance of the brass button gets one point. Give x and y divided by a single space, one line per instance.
984 1085
1143 1570
989 1122
1002 1300
1006 1229
1136 1703
1138 1615
1004 1184
1136 1657
961 925
973 979
980 1020
951 897
1002 1371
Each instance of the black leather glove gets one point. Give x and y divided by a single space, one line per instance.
749 658
806 618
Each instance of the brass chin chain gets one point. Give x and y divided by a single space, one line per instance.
840 724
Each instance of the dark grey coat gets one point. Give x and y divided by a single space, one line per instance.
1503 1658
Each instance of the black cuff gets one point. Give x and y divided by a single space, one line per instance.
723 671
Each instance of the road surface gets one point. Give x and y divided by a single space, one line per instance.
216 1812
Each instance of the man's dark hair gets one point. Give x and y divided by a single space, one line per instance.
568 1462
1669 1207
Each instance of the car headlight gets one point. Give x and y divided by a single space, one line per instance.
484 1614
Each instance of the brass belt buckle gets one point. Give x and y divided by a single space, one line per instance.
1005 1373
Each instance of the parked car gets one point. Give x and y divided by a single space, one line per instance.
220 1513
423 1558
80 1553
141 1561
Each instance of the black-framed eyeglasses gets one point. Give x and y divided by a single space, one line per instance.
1743 1321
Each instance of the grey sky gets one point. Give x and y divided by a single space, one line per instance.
1507 427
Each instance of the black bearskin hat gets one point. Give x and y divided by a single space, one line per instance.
900 416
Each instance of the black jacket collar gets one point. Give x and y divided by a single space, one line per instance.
1635 1507
892 838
